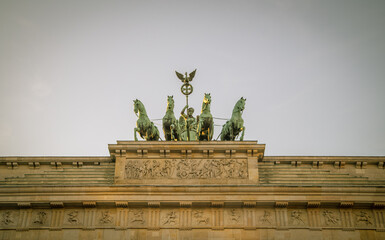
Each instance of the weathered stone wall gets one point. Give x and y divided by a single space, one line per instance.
198 190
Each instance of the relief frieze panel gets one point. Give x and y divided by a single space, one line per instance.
186 169
266 217
137 217
330 218
73 217
233 216
106 217
170 217
201 217
41 218
297 217
9 218
363 218
182 218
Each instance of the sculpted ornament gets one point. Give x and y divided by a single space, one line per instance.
296 217
200 218
41 218
138 217
234 215
266 218
7 218
73 217
364 217
187 169
198 215
170 218
106 217
330 218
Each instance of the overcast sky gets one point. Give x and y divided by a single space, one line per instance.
313 72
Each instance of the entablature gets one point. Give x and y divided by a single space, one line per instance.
318 161
202 149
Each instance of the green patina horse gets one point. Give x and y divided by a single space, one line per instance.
170 124
144 126
234 126
205 128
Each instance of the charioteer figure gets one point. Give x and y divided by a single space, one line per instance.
188 125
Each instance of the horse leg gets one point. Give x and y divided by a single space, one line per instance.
157 134
153 133
223 132
211 129
199 128
178 132
231 132
243 133
149 133
171 132
136 130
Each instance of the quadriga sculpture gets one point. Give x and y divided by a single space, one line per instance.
206 124
234 126
144 126
170 124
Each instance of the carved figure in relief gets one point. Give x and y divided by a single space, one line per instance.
330 218
265 218
364 217
41 218
234 215
138 216
198 215
170 218
296 217
7 218
168 168
73 217
106 217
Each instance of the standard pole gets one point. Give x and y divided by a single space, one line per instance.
187 100
187 124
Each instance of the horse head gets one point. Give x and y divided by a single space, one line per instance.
170 102
207 98
240 105
138 107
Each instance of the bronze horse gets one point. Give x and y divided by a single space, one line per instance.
234 126
169 122
205 128
144 126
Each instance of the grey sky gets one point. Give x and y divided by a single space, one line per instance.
312 71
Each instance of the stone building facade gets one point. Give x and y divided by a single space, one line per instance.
192 190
